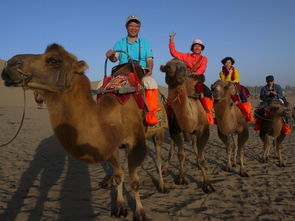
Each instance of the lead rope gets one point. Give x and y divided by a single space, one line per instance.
22 120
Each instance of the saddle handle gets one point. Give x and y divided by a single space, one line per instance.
119 51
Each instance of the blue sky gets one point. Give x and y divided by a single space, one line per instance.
258 34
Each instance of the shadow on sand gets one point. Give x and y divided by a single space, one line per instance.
44 172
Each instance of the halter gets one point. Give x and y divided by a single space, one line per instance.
177 97
24 108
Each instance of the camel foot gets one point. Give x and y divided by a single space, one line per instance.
208 188
139 216
244 174
281 164
181 181
120 210
276 157
165 170
163 189
228 169
264 160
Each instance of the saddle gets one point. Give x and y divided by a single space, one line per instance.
122 86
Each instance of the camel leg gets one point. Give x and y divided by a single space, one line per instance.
158 142
181 157
136 156
201 142
194 145
243 172
229 153
118 177
279 150
266 147
228 142
276 156
171 153
234 162
242 138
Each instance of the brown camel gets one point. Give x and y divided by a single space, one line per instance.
271 129
155 132
230 122
190 117
92 132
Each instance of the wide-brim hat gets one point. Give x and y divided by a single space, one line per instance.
199 42
131 18
224 60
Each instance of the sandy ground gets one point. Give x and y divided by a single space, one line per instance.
39 181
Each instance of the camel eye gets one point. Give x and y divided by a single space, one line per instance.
53 61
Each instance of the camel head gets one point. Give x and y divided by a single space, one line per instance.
276 109
223 90
175 72
51 71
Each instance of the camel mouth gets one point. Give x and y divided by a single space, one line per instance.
8 81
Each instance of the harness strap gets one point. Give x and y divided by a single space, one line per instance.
198 62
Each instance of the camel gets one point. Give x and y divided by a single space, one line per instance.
90 131
271 129
231 123
155 132
190 117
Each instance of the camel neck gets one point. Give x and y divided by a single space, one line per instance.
223 108
184 108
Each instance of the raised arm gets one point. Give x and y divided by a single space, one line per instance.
172 49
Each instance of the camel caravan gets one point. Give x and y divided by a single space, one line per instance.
93 131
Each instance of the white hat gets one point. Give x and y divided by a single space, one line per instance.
199 42
132 17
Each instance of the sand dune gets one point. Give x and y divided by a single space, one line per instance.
39 181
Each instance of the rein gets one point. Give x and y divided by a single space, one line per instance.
177 97
24 112
259 116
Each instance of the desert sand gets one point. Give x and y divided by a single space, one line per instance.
40 181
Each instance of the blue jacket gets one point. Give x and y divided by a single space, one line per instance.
267 98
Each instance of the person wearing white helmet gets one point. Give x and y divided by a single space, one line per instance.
196 64
141 52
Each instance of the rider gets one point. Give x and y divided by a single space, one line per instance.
197 64
140 51
230 73
267 93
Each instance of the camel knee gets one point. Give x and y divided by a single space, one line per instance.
181 155
118 178
135 185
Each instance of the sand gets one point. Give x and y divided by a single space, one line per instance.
40 181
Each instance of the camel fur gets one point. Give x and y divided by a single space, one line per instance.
271 130
189 117
231 123
91 132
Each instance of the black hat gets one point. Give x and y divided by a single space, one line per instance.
269 78
224 60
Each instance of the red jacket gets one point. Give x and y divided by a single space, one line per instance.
189 59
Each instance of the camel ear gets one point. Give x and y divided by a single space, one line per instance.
163 68
80 67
